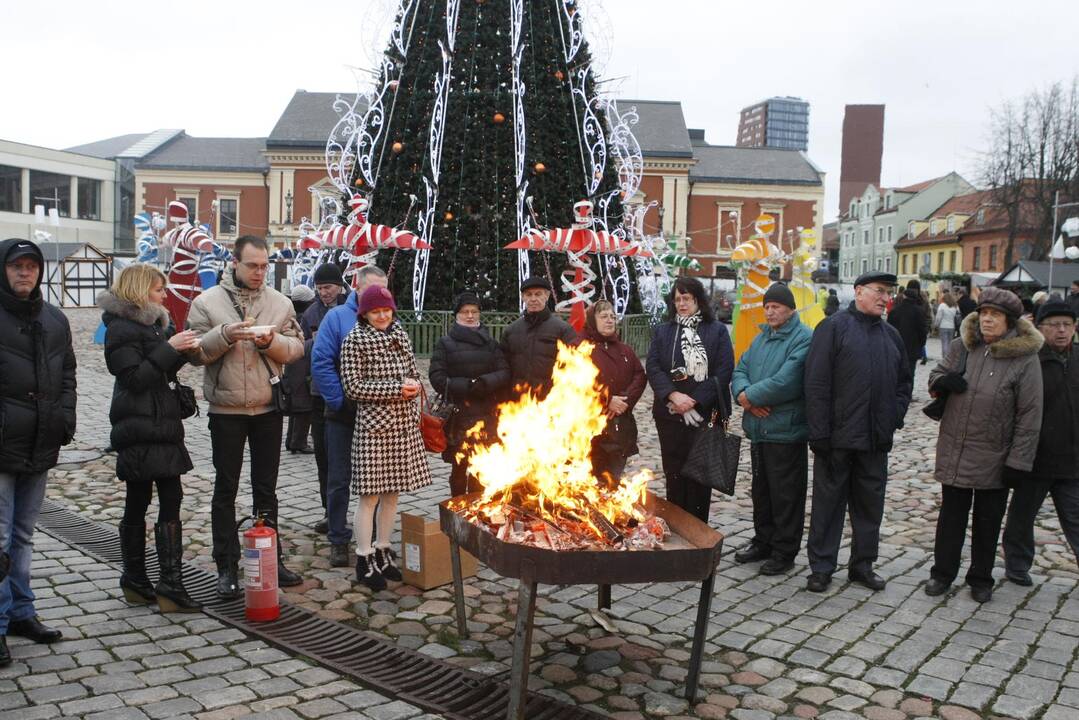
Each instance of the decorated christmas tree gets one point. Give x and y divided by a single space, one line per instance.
485 126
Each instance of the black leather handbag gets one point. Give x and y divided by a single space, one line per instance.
713 460
934 409
185 397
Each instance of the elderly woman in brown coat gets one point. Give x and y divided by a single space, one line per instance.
989 432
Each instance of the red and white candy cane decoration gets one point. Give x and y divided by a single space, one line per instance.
187 243
577 243
362 238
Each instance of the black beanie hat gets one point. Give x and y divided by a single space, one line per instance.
781 294
465 298
1054 307
329 274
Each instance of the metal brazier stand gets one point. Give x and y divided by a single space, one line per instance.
696 559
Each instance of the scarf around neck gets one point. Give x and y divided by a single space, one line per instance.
693 352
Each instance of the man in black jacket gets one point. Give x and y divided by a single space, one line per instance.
530 343
1056 464
37 416
857 386
908 317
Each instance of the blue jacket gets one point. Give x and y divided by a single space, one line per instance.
326 359
770 373
857 383
666 345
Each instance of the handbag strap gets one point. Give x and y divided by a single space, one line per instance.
274 377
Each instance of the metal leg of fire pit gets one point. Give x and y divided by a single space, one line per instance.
603 601
522 642
458 589
704 609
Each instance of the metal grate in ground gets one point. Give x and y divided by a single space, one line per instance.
374 662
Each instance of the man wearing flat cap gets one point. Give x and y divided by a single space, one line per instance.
768 385
858 386
1056 464
530 343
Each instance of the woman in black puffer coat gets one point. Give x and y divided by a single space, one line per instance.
144 355
468 366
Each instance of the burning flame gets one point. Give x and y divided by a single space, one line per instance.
540 460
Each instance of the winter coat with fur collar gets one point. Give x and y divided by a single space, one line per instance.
996 421
147 430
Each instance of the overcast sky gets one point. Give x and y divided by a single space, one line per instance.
80 71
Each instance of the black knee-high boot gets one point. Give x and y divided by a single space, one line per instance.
136 586
171 594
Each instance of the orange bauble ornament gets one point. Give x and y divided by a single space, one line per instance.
540 167
499 118
448 216
359 182
398 147
559 75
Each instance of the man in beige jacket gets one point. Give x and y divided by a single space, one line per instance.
249 332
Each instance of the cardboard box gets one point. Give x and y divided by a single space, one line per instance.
425 554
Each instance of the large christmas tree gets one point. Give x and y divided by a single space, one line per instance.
480 105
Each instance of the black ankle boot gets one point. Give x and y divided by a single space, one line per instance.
367 572
386 562
171 594
137 588
285 577
228 582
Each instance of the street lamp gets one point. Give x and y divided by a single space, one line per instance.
288 207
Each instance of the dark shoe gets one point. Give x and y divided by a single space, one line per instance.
367 573
303 451
751 553
5 654
136 586
868 579
339 555
228 587
776 566
322 526
818 582
387 564
171 594
285 577
32 628
936 587
1019 578
981 594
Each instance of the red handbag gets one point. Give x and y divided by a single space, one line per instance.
431 426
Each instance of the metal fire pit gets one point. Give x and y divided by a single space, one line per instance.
692 553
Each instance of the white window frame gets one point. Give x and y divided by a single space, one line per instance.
227 195
182 193
889 234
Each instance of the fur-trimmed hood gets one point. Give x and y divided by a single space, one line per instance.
1023 339
148 315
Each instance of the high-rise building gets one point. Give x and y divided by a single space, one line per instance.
779 122
863 147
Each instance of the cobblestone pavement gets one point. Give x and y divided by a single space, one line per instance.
773 650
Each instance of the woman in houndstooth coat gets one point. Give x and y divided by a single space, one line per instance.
379 373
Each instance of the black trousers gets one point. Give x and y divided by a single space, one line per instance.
842 479
229 434
318 442
780 477
955 505
299 424
138 496
608 460
1027 500
675 441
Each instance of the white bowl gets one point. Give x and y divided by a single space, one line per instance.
260 330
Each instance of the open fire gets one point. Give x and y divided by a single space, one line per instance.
538 485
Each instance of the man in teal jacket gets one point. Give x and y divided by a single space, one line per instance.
768 385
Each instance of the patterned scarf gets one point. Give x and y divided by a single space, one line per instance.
693 352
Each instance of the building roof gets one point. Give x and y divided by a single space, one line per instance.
307 120
662 130
754 165
1032 272
918 187
191 153
108 148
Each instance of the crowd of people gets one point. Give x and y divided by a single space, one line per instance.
339 363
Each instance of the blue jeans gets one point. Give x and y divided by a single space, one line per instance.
338 479
20 503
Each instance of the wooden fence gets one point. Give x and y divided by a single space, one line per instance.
424 334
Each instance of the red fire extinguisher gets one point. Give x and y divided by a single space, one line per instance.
260 573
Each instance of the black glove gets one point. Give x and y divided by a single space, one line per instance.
820 447
1014 478
952 382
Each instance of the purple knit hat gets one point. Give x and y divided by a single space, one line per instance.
375 297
